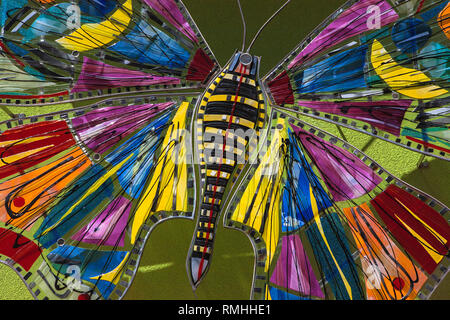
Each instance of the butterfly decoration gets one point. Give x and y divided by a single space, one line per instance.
154 128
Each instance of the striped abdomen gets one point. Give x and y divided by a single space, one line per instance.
230 114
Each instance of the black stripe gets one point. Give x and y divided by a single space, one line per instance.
229 87
224 125
241 110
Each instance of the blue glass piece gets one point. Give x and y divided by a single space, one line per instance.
334 234
95 11
149 45
18 51
277 294
53 20
410 35
81 210
142 146
296 207
341 72
234 62
9 8
435 60
34 72
433 12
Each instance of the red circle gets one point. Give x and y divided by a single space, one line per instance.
84 296
19 202
398 283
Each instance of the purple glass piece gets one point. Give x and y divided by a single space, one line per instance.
98 75
169 10
102 128
293 270
345 175
384 115
108 228
365 15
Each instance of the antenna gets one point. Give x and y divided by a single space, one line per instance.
243 23
266 23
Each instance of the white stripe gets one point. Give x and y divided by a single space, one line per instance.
21 23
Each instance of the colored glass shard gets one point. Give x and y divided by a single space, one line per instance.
389 274
346 176
417 227
108 228
19 248
98 75
385 115
331 249
351 22
103 128
293 270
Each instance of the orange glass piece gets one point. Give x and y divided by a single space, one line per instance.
389 274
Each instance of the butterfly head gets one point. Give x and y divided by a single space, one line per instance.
243 63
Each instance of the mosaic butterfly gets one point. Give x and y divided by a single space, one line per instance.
148 126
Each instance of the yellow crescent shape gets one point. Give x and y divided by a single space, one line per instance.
94 35
403 80
113 275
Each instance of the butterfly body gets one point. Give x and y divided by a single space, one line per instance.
229 119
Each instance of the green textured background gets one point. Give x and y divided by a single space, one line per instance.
162 272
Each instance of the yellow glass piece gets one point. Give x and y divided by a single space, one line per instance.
223 97
113 275
228 149
230 135
94 35
15 157
8 143
249 81
268 296
214 173
164 184
236 120
268 177
403 80
434 255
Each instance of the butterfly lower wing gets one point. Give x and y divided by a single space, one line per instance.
81 194
327 222
68 52
377 68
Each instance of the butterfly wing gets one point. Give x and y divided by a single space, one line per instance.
82 192
375 67
328 222
84 185
68 52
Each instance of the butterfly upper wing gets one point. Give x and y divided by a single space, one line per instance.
82 188
327 221
376 67
63 51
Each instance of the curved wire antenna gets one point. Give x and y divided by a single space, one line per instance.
266 23
243 24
